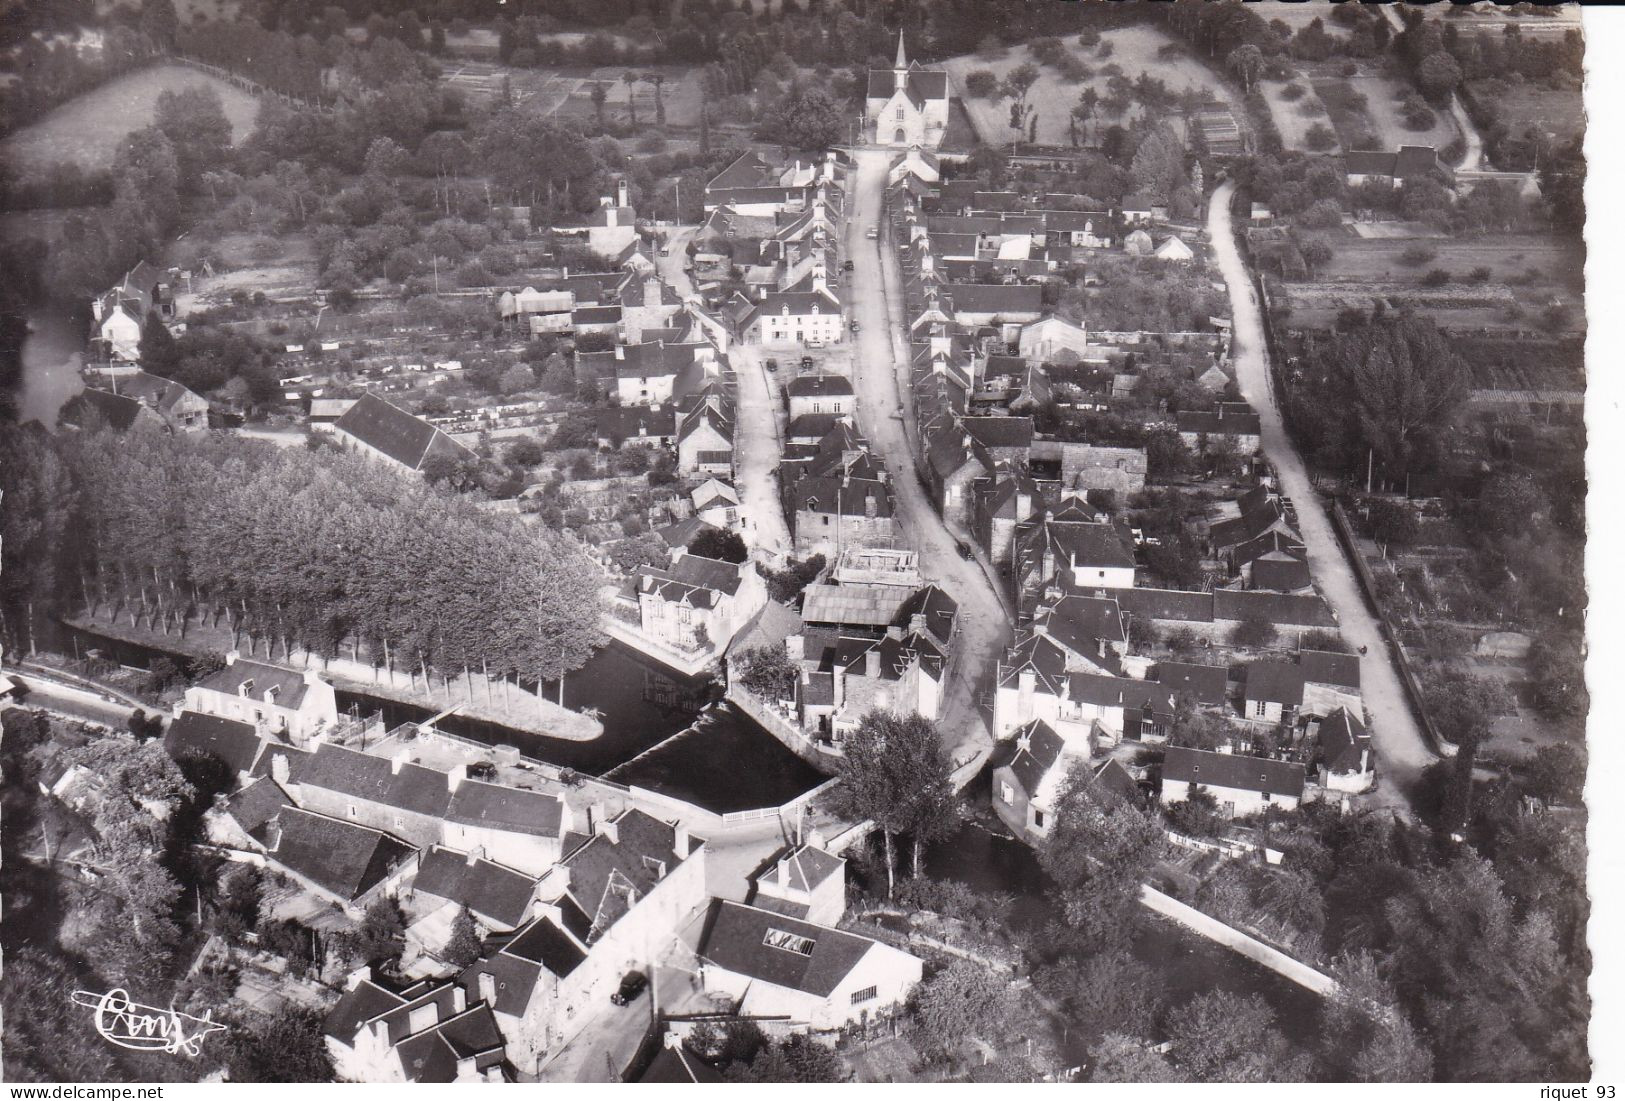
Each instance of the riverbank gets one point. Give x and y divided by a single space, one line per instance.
476 697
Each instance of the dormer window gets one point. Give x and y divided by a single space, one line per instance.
246 688
270 694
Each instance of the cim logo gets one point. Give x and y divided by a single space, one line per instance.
143 1027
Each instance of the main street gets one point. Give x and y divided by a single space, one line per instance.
874 297
1401 748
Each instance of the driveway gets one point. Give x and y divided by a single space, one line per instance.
879 376
1402 751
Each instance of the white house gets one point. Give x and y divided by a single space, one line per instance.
613 225
424 1032
1242 785
907 105
818 978
1054 340
698 603
790 319
293 704
1173 249
803 882
820 394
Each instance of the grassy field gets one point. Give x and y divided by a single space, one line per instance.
1134 50
87 130
1548 111
1561 263
1382 91
550 92
1293 118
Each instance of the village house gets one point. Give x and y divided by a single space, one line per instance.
829 515
1030 770
423 1031
379 430
844 677
1234 424
1084 708
613 226
705 431
341 862
229 742
119 314
793 319
635 426
1390 169
137 396
1054 340
1241 784
654 372
907 105
448 882
697 603
610 906
717 503
916 163
813 976
1346 760
292 704
802 882
814 394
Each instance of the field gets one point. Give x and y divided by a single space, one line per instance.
549 92
1293 118
1546 110
87 130
1134 50
1561 263
1365 108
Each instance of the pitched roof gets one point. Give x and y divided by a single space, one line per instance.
1167 604
485 888
746 170
802 868
1233 770
820 386
1369 162
939 609
1032 751
377 779
118 411
1282 609
1080 622
606 877
235 744
853 605
1205 682
289 683
363 1002
813 959
1326 667
342 857
1344 741
1231 421
433 1055
674 1064
1275 682
512 810
1089 544
847 497
409 440
1120 692
684 532
256 804
1281 575
1000 431
994 298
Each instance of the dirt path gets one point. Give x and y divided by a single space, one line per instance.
874 295
1402 751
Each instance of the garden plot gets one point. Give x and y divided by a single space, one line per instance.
1560 113
1383 92
681 93
1511 258
1133 51
87 130
1296 112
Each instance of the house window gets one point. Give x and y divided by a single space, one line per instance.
788 942
826 521
1260 708
1038 819
1007 794
867 994
818 407
899 114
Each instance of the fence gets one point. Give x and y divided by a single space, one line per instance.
1390 631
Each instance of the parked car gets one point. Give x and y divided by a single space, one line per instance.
853 324
772 365
965 552
806 363
846 265
872 233
630 988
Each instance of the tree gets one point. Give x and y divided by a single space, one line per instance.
1316 253
463 946
1099 851
1017 84
600 94
1438 76
1255 632
518 378
724 546
631 80
981 84
1166 454
1119 1058
1245 62
1393 522
894 771
1223 1037
1159 163
288 1047
1102 993
766 671
158 350
810 120
965 1000
798 1059
195 122
381 937
785 585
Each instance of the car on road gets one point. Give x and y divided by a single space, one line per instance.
807 363
772 365
872 233
630 988
815 343
846 265
965 552
853 325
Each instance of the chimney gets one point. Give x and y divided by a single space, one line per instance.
611 830
623 194
273 836
895 633
353 979
916 623
1024 504
459 999
795 647
871 662
679 839
477 853
1024 742
870 507
456 776
279 768
488 988
400 757
651 293
232 656
839 679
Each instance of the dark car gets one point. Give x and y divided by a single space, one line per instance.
772 365
965 552
630 988
806 363
846 265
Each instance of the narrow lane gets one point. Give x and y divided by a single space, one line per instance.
878 369
1402 751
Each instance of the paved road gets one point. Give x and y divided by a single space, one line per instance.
1401 748
71 701
874 298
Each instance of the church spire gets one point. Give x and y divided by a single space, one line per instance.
902 55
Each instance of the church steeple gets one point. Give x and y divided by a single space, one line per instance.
900 69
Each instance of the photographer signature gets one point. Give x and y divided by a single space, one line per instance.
143 1027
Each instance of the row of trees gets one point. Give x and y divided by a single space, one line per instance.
320 551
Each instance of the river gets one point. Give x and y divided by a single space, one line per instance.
51 355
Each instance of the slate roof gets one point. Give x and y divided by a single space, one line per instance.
746 170
1167 604
433 1054
847 497
1271 542
994 298
289 683
376 779
344 858
940 611
409 440
1088 544
117 411
803 868
1038 654
820 386
734 941
360 1004
674 1064
513 810
1214 422
629 422
235 744
1275 682
253 806
1326 667
684 532
1120 692
922 84
1233 770
486 888
1282 609
1281 575
1343 739
811 426
1079 622
1000 431
605 874
1205 682
1030 753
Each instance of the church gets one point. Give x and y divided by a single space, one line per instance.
908 105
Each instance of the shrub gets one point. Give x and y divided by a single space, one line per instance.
1308 108
1419 119
1292 92
1479 274
1417 255
1254 632
1348 68
1320 137
1438 277
981 83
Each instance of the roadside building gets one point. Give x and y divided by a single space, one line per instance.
1241 784
379 430
293 704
